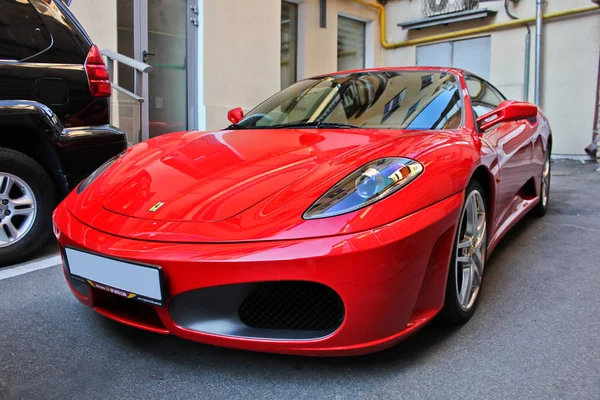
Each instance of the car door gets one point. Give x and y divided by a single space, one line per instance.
512 142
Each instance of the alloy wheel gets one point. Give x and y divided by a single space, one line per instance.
470 250
18 209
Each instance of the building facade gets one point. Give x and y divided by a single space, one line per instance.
211 56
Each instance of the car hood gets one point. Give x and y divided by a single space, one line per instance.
212 177
231 185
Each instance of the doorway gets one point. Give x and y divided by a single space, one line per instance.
162 33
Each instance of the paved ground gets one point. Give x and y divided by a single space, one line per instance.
536 334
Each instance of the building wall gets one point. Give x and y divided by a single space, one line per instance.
99 22
571 51
242 49
239 53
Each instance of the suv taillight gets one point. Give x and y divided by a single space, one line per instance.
97 73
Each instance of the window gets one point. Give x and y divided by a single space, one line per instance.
484 97
472 55
289 43
351 44
390 99
22 32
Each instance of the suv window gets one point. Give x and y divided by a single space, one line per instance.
22 32
483 96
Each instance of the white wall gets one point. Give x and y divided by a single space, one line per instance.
241 55
99 22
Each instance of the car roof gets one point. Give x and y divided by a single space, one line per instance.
456 71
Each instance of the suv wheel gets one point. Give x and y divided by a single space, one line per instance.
27 198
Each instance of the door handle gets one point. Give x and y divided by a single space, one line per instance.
145 55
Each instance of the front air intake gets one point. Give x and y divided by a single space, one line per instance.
292 305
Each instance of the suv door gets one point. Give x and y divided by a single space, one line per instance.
512 142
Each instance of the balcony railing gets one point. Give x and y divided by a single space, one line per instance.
433 8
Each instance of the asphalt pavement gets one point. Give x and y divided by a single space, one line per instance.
535 335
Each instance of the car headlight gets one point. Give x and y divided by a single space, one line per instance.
368 184
88 181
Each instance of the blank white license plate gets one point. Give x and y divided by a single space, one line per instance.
134 281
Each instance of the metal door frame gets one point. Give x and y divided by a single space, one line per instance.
140 43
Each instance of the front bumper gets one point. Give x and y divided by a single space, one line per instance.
391 280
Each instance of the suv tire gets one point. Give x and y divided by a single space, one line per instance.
43 191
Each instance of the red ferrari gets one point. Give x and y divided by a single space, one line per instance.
336 218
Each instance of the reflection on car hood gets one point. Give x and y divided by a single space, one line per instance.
214 176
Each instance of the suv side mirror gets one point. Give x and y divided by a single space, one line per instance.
507 111
235 115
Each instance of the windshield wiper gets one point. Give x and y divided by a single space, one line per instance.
297 124
335 125
316 124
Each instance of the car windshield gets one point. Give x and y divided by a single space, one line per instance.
385 99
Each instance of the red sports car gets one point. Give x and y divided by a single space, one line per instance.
336 218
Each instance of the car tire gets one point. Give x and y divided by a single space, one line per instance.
541 207
27 198
469 254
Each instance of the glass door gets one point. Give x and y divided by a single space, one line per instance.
166 51
162 33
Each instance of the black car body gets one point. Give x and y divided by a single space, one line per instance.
54 116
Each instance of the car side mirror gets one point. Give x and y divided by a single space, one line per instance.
507 111
235 115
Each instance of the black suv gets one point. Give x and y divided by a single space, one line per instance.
54 118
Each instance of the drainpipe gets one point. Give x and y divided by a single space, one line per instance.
527 52
539 25
592 149
527 64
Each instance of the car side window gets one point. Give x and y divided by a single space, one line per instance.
22 32
494 92
484 97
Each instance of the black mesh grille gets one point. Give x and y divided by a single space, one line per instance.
292 305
